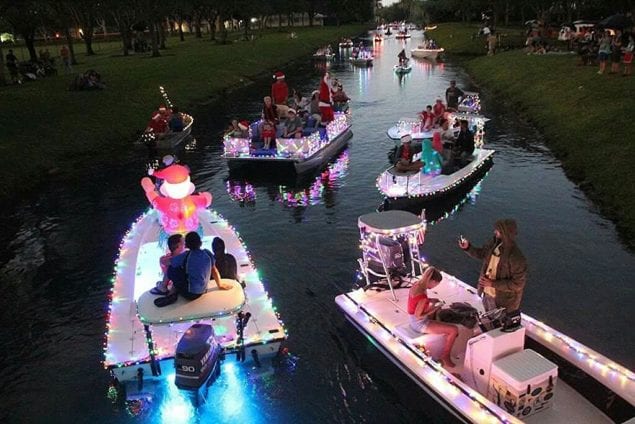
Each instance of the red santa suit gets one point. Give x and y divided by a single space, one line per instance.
158 123
326 100
177 206
279 90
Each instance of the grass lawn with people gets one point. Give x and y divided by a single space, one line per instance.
46 127
587 118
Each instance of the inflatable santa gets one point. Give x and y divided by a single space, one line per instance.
326 101
174 201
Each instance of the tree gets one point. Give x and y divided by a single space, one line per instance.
85 14
25 17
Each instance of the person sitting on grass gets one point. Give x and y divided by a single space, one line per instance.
176 246
176 121
404 157
190 272
293 126
422 311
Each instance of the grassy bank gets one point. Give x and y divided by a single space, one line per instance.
45 127
587 118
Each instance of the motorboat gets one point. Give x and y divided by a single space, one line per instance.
403 189
378 38
362 60
346 44
149 349
418 132
510 368
314 149
424 53
169 139
403 35
470 103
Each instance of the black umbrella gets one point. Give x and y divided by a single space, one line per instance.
616 22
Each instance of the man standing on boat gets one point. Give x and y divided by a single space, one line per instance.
280 94
452 95
504 270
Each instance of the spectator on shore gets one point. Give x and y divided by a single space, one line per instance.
65 54
604 51
628 56
12 66
491 44
616 53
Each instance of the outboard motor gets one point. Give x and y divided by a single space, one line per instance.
197 359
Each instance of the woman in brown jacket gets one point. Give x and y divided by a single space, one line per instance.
504 270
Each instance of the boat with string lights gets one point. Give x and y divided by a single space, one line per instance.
402 69
363 59
509 368
425 53
157 133
403 35
149 349
314 149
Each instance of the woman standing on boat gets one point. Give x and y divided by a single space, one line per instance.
422 310
504 270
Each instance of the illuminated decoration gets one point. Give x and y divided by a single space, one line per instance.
137 270
289 148
166 98
176 204
420 186
243 193
470 103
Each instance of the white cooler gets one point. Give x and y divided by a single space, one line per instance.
523 383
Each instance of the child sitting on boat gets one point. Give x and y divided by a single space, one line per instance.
238 129
427 118
293 125
404 155
422 311
268 134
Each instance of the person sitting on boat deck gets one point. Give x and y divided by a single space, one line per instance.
191 271
464 145
297 102
293 125
439 110
403 59
404 155
452 95
268 134
314 107
280 94
504 270
225 262
339 96
447 138
159 122
176 246
269 110
422 311
427 118
176 121
232 128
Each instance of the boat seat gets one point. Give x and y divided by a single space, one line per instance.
214 303
432 342
393 171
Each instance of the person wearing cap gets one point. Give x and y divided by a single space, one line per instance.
452 95
293 125
404 156
504 269
280 94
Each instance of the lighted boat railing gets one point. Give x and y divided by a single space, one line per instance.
296 148
471 103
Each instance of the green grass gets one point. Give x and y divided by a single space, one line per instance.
586 118
46 128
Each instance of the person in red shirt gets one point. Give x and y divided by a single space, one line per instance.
159 122
280 93
439 110
427 118
404 155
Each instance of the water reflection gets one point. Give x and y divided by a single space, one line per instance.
298 192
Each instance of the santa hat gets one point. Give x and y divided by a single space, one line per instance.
278 75
243 125
174 175
406 138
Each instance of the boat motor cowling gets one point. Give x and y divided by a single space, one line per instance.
197 357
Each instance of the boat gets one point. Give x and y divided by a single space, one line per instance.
402 69
170 139
323 56
470 103
423 53
401 35
346 44
404 189
413 126
301 155
510 369
362 61
378 39
146 346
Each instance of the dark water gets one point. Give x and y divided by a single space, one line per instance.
58 248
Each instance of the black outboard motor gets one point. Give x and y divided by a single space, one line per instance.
197 358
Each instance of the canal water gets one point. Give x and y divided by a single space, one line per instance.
57 250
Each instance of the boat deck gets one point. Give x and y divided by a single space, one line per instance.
138 270
386 322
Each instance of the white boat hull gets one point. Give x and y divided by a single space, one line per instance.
430 54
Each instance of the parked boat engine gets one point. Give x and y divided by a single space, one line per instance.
197 359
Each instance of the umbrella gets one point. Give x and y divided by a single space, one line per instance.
616 22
